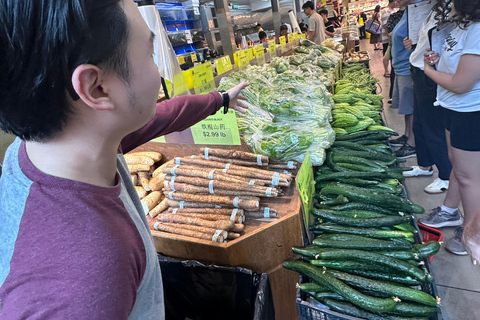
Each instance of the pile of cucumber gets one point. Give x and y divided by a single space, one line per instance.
363 261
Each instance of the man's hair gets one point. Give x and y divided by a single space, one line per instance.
283 27
41 43
262 34
308 4
304 29
323 11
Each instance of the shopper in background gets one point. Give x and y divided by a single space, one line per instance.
458 94
391 8
403 89
262 35
283 33
305 31
376 39
259 27
361 20
392 21
329 29
316 26
428 127
75 241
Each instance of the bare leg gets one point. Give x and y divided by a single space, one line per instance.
452 199
409 129
385 65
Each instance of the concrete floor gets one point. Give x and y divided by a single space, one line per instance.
457 279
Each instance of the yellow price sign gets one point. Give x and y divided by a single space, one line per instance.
187 74
242 57
283 41
194 57
259 54
291 37
250 54
223 64
220 129
272 46
181 59
303 35
203 81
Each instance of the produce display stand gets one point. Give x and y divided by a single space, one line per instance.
263 247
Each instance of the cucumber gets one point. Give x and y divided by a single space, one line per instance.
319 296
340 176
369 232
374 197
401 255
406 227
345 265
311 288
360 222
355 160
361 125
368 155
360 214
351 310
349 241
364 206
399 266
382 275
427 249
361 182
308 252
402 292
332 165
382 128
338 200
408 309
357 167
334 285
354 136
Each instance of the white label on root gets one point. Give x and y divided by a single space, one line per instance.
178 160
235 201
210 174
206 153
266 212
259 159
275 179
216 235
210 187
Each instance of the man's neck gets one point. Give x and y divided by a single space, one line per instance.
81 158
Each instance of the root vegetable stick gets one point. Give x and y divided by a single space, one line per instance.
152 199
212 217
211 189
142 193
223 233
233 235
220 225
201 182
218 192
131 159
144 181
134 178
189 204
156 183
134 168
233 154
159 169
262 213
243 202
238 228
192 171
235 161
155 156
187 232
162 206
227 212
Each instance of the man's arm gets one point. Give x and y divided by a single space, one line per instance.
311 35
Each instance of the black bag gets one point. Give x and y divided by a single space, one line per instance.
373 27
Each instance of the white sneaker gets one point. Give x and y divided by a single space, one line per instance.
417 172
437 186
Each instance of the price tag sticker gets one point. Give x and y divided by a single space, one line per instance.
259 54
194 57
243 60
220 129
181 59
203 81
223 64
187 74
283 43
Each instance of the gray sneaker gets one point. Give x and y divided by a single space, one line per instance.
455 245
438 219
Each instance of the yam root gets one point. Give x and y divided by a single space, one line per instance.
290 165
159 169
227 212
196 228
134 168
233 235
162 206
187 188
187 232
212 217
155 156
156 183
144 181
234 154
142 193
205 173
189 204
243 202
134 178
262 213
236 161
238 228
131 159
152 199
220 225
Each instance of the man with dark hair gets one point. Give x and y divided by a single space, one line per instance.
329 29
78 87
316 26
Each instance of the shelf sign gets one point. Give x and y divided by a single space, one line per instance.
272 48
242 59
223 64
303 36
259 54
291 37
306 185
250 54
283 43
194 57
221 129
181 59
202 76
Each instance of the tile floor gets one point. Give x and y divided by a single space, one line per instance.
457 279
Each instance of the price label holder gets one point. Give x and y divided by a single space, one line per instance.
223 64
181 60
243 60
291 38
303 36
203 80
194 57
306 186
259 54
272 49
283 43
250 54
220 129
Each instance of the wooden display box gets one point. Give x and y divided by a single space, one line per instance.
263 247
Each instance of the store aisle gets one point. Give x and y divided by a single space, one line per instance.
456 277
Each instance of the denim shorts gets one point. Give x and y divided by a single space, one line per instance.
403 94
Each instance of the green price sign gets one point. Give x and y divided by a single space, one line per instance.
306 185
259 54
223 64
202 76
221 129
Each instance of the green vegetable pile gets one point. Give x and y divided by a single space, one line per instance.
289 104
364 261
358 76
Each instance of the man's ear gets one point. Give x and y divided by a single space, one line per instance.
87 80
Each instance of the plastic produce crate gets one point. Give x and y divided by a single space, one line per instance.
430 234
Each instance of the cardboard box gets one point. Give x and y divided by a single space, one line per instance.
264 246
